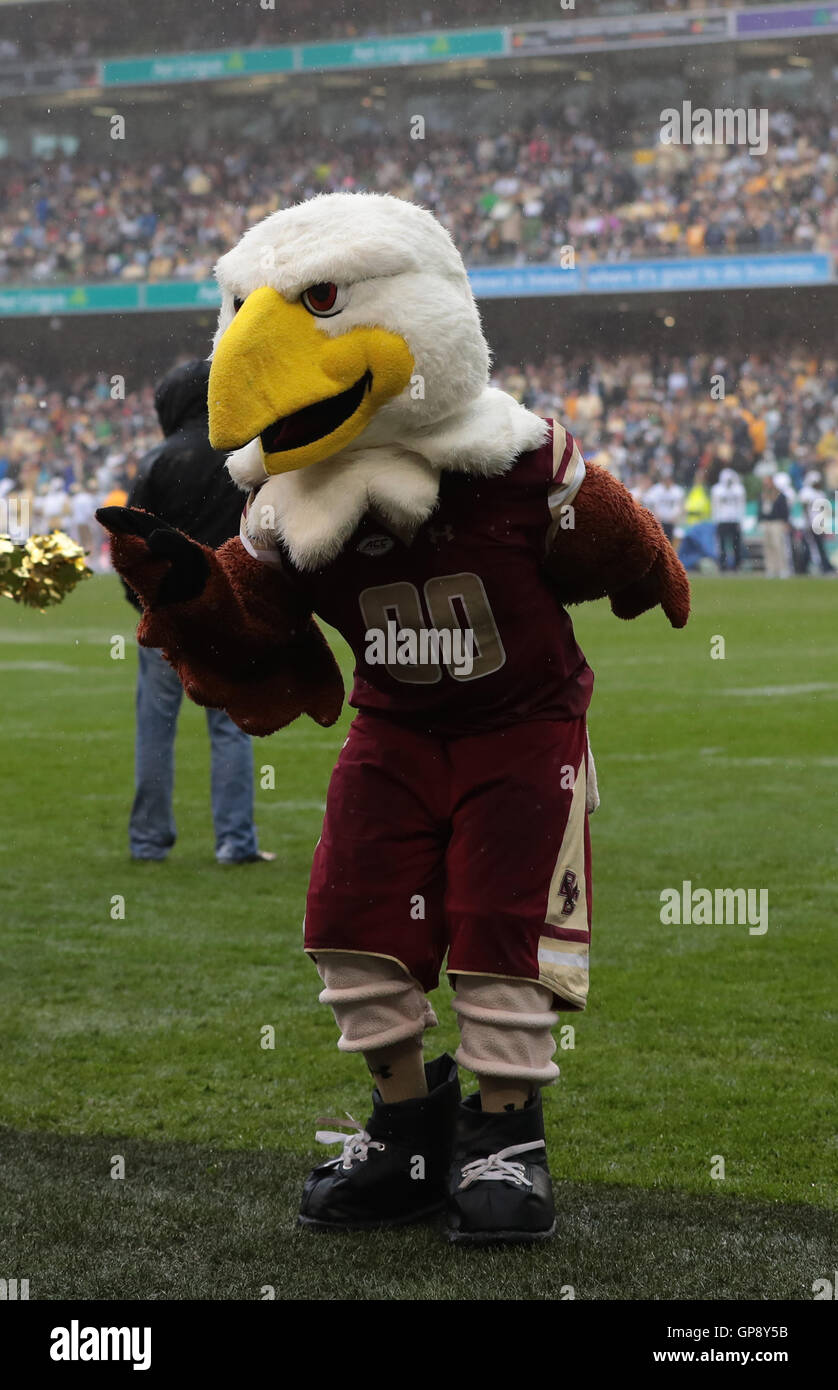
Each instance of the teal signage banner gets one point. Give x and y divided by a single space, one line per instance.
409 48
26 301
174 294
195 67
440 46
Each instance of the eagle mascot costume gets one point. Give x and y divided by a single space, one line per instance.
442 528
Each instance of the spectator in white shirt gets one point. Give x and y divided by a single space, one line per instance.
727 497
813 499
665 500
55 506
83 526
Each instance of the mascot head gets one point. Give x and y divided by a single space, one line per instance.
346 321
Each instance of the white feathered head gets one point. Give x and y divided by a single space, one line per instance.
347 321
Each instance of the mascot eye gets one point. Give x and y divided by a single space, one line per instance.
237 303
323 300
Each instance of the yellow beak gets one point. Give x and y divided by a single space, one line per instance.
276 375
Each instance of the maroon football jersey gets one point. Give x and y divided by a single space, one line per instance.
457 631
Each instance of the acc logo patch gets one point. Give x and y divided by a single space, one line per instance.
375 545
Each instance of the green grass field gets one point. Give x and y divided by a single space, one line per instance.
141 1037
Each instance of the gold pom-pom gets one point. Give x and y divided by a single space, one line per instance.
42 570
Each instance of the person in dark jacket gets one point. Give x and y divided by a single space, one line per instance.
184 481
774 513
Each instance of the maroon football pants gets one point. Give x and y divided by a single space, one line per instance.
476 846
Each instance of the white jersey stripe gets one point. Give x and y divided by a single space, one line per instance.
559 445
549 957
566 490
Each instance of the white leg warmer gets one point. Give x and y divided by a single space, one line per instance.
505 1028
375 1002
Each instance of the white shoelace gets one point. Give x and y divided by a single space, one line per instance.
355 1146
497 1168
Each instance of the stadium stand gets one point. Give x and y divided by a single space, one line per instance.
511 196
519 170
635 415
88 29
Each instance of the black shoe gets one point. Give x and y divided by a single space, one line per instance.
395 1170
499 1187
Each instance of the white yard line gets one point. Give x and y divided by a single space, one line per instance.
766 691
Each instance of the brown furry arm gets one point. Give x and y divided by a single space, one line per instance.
235 630
616 549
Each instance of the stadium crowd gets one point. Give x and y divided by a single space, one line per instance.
671 431
87 29
690 417
515 197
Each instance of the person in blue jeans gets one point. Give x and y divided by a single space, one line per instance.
152 826
184 481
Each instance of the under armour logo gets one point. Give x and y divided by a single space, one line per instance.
569 890
441 533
